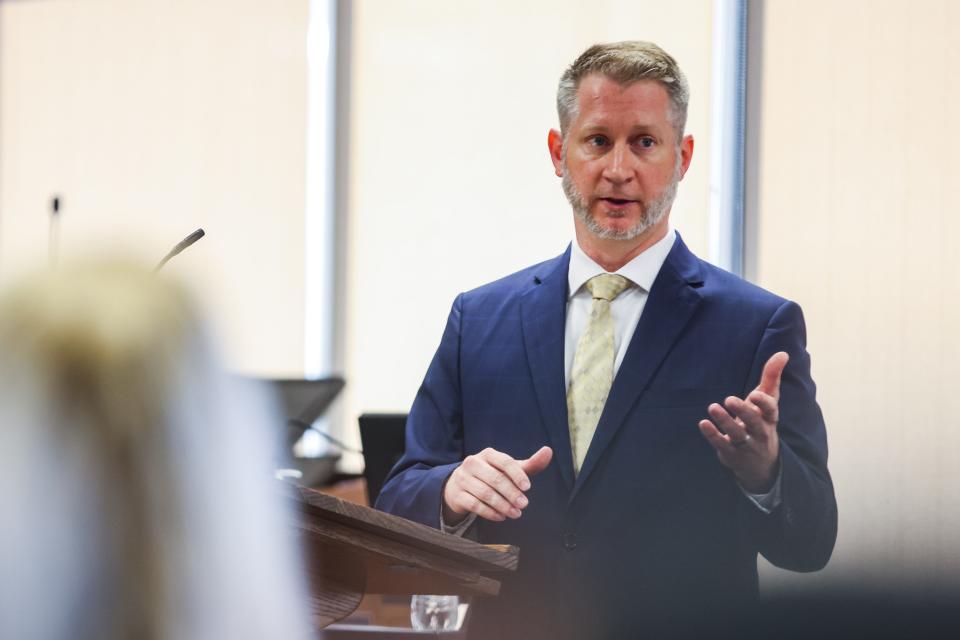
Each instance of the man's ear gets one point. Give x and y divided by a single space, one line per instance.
686 154
555 144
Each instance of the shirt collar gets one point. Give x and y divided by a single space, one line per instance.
641 271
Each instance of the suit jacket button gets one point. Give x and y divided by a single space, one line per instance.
570 540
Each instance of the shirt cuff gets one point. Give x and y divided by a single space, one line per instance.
768 501
461 527
458 529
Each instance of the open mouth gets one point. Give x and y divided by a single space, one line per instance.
617 202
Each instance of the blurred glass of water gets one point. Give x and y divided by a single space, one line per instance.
434 613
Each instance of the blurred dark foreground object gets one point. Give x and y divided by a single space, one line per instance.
845 613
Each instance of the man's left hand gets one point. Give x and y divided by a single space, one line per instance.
744 432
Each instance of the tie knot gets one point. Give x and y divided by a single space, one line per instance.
607 286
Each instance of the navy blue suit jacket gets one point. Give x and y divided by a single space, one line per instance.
654 528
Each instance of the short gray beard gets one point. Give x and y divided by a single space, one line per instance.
653 211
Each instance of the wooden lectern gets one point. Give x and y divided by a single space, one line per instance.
351 550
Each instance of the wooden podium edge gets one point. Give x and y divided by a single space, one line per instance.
488 558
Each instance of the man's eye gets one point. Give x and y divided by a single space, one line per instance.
647 142
597 141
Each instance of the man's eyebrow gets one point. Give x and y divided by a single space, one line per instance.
642 127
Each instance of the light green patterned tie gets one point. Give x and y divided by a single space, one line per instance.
592 373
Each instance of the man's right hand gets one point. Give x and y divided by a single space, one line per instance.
491 485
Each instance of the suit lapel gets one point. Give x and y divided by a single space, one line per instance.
543 311
672 302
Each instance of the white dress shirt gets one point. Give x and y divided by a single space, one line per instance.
625 308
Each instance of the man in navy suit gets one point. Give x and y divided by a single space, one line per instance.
640 423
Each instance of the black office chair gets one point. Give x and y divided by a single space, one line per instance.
382 437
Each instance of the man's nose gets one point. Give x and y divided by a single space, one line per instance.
619 167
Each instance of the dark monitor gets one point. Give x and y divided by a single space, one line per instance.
303 401
382 438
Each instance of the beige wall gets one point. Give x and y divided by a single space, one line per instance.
857 208
450 182
151 119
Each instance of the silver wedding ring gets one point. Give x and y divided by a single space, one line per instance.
740 443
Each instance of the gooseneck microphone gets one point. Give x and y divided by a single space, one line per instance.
183 244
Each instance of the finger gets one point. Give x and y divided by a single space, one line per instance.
503 484
772 372
750 416
510 468
489 496
768 406
716 439
727 423
538 461
472 504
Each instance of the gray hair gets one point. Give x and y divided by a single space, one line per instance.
625 63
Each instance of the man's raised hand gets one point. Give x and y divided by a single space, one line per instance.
744 432
491 484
